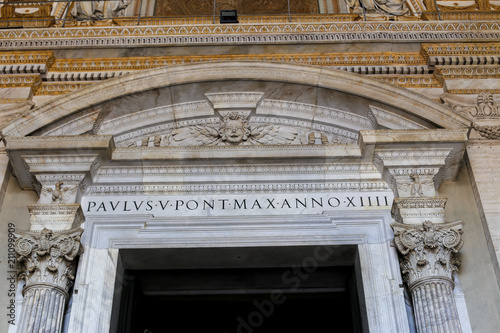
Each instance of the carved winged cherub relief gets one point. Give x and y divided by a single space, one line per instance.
234 129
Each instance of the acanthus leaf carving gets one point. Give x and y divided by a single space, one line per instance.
428 249
48 257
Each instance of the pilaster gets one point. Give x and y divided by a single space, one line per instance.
48 252
428 246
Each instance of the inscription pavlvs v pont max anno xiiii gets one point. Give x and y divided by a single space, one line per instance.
236 204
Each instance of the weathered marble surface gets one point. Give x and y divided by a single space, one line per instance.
483 156
176 76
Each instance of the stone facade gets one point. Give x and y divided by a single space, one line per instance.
342 127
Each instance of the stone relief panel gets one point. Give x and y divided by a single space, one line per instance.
235 128
236 118
482 106
483 110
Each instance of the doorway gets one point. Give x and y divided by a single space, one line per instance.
267 289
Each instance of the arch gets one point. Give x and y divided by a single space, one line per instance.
321 77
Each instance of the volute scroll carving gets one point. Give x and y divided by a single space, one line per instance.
428 249
48 257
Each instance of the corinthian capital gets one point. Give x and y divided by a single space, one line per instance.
429 250
48 257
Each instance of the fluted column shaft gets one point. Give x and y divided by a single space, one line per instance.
428 259
43 309
434 307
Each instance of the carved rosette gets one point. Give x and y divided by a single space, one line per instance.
48 258
429 250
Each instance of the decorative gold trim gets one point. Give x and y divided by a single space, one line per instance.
472 91
456 15
12 100
410 81
21 80
435 49
27 57
61 88
468 72
317 59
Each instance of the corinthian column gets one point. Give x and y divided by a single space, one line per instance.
429 257
47 261
427 244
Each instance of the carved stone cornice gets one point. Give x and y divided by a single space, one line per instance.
56 217
418 210
48 258
429 250
413 172
460 53
65 160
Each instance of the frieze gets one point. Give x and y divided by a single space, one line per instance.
410 80
247 151
459 49
362 186
33 81
252 33
235 128
61 88
468 72
324 168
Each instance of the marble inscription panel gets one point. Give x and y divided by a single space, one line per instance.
229 205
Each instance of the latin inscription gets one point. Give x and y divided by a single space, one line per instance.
232 205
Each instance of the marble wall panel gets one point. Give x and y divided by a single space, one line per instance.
482 294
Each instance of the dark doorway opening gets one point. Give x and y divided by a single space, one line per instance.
293 297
